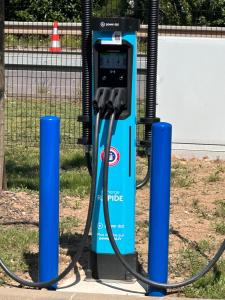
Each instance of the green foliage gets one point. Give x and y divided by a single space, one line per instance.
220 227
172 12
68 224
186 12
113 8
220 208
181 176
45 10
22 167
14 241
192 260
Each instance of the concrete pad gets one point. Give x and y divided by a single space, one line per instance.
29 294
80 285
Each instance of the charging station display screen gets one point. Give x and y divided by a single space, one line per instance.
113 60
112 68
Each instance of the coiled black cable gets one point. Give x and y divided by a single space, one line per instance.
152 57
140 277
86 229
86 6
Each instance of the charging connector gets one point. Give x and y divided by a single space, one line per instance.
102 95
117 101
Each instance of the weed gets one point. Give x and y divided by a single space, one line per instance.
204 246
220 228
67 224
202 212
209 286
14 243
180 176
214 177
220 208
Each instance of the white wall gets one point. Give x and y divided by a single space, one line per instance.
191 94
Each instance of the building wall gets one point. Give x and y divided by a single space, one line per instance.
191 94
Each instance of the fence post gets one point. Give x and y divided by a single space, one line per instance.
2 87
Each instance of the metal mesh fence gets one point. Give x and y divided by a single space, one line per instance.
40 81
43 82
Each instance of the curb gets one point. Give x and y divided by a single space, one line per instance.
29 294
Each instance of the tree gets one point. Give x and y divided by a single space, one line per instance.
46 10
186 12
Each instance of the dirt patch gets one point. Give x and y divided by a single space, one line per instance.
197 188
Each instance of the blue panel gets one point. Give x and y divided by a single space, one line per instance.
49 198
122 174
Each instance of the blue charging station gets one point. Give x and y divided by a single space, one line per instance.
110 110
114 64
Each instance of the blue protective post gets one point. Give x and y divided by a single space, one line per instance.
159 206
49 198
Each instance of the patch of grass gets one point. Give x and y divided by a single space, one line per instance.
68 224
40 41
181 175
209 286
22 123
22 167
220 227
214 177
14 242
220 208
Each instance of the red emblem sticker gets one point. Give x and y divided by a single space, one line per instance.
114 156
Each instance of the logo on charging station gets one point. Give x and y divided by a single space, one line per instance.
114 156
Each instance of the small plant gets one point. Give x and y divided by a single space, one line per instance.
214 177
220 209
220 228
68 224
201 211
180 175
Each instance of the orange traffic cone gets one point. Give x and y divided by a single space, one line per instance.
55 40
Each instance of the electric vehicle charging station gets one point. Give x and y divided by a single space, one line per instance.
113 119
114 77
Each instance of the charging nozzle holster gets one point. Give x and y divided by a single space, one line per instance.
108 100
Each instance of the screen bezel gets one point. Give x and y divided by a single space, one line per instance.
125 46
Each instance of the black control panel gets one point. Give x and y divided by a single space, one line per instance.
113 69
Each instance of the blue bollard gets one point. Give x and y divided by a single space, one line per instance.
49 198
159 206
